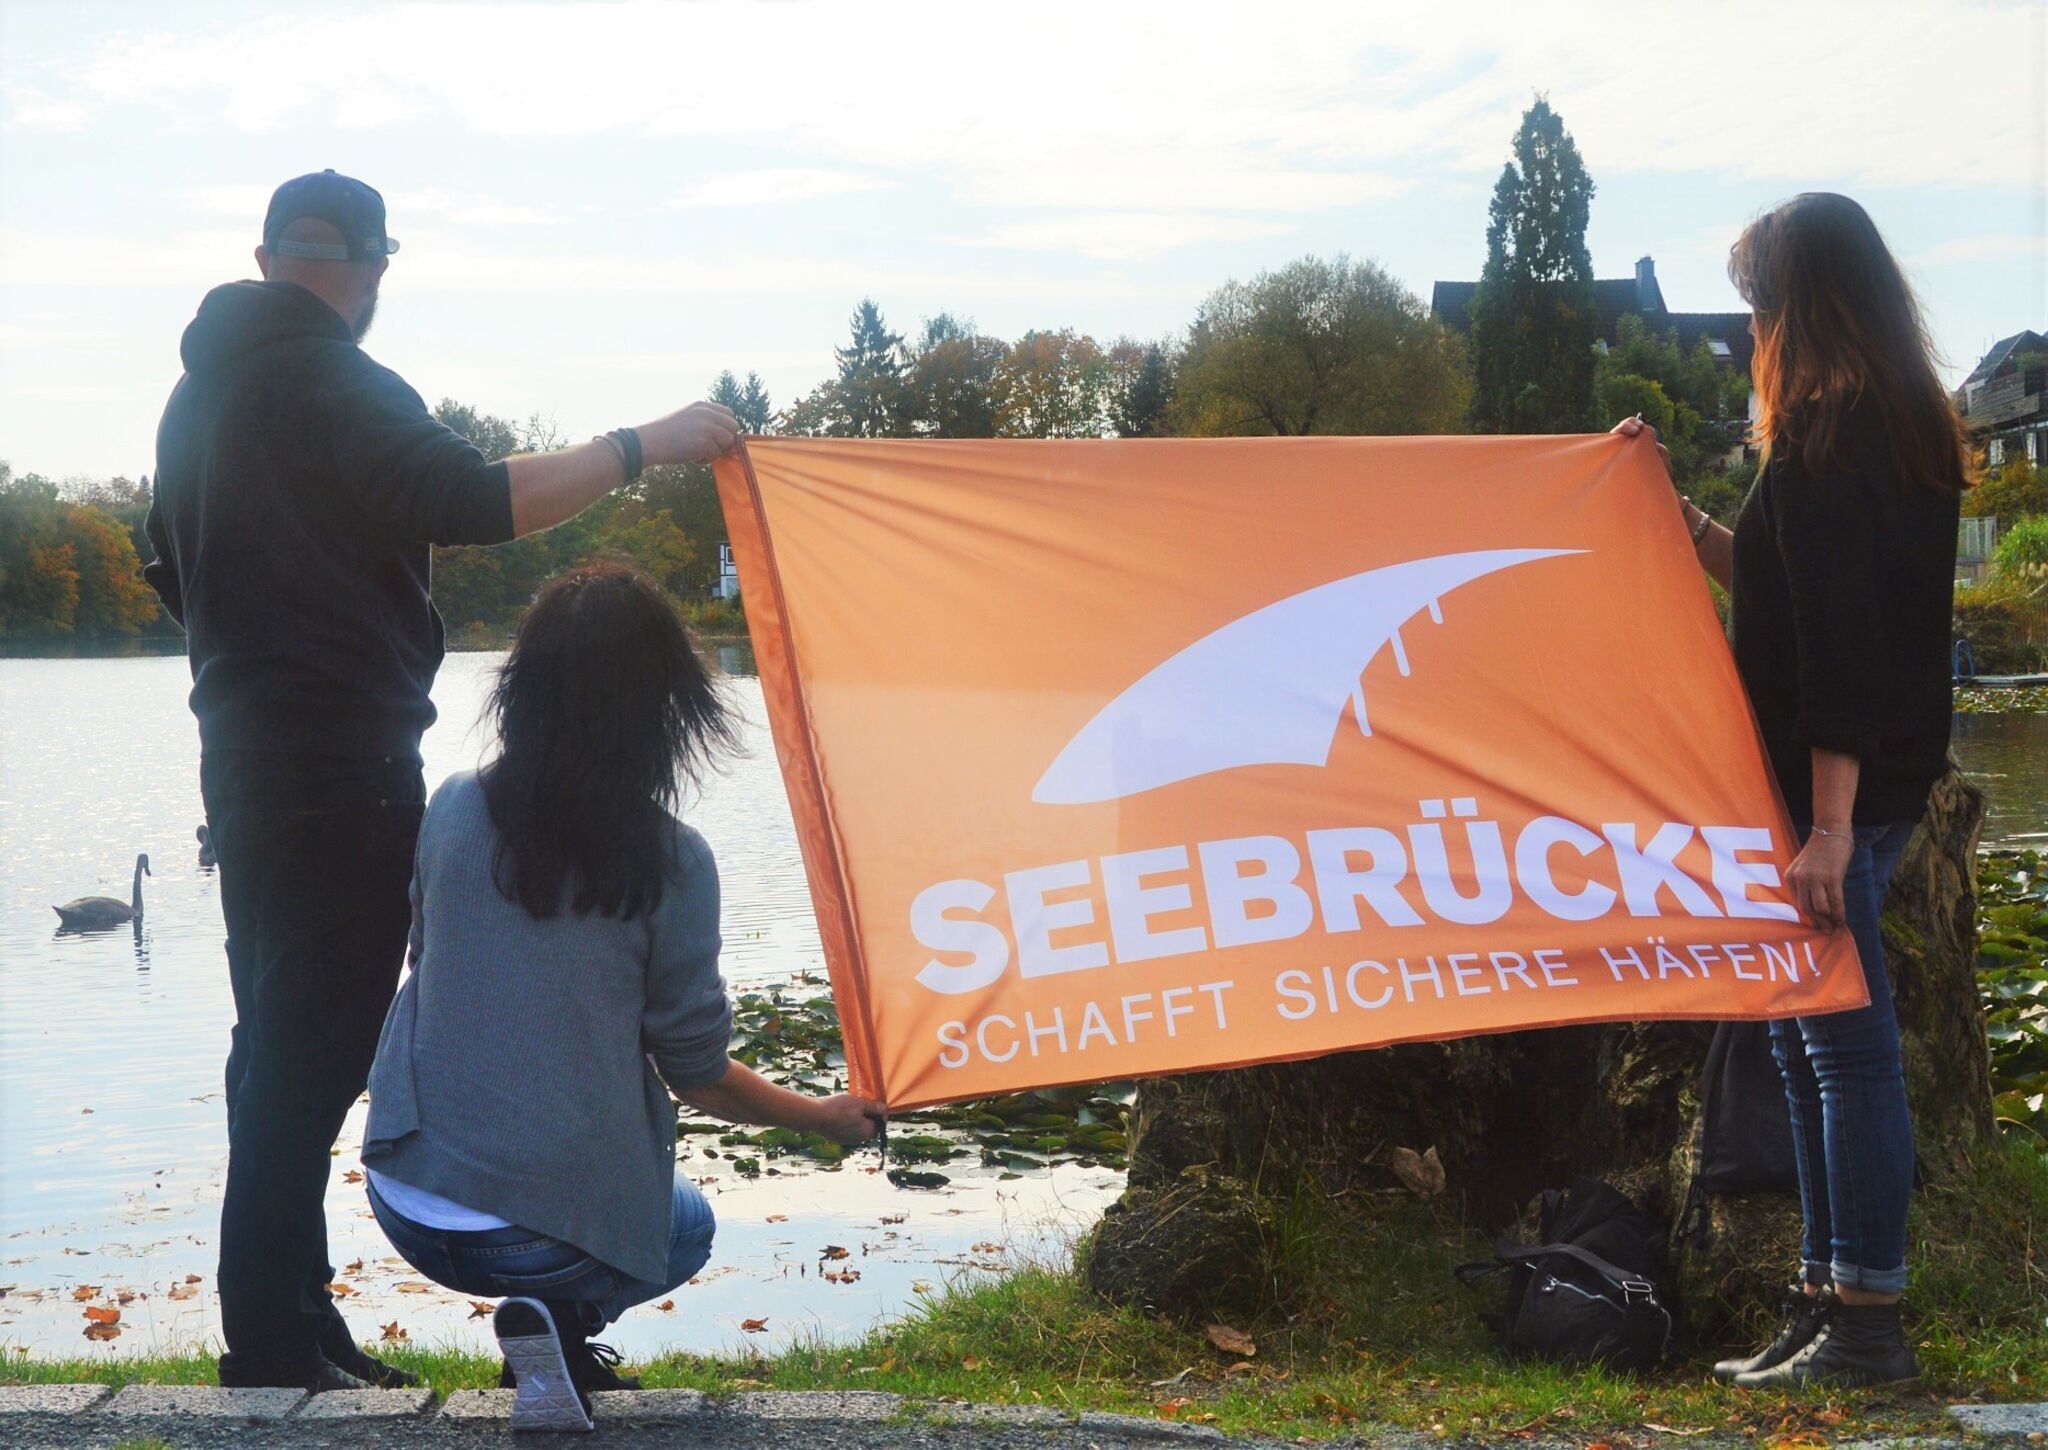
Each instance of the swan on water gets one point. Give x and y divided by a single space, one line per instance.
91 913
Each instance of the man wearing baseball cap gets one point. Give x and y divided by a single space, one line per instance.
299 489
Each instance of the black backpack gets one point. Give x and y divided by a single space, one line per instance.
1587 1294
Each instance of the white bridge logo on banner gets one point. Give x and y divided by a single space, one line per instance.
1266 689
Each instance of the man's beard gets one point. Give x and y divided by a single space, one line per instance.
364 318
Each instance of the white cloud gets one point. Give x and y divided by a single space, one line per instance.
1986 248
441 263
29 109
1079 100
772 185
1128 236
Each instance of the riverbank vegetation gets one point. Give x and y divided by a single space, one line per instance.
1404 1350
1339 1352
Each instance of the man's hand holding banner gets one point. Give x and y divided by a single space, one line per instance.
1118 758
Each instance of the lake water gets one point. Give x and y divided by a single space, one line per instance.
112 1140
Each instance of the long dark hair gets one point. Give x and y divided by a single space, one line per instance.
1836 322
603 710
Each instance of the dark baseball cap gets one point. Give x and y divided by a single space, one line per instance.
353 208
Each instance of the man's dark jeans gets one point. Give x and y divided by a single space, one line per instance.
316 856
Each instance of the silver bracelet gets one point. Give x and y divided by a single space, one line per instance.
1849 835
1699 530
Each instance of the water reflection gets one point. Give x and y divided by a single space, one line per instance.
111 1043
112 1139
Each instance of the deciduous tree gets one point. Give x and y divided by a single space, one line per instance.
1318 347
1054 385
955 384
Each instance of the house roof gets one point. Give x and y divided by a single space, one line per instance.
1615 298
1718 329
2002 350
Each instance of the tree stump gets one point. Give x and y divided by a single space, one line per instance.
1513 1114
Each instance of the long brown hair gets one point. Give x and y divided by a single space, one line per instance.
604 710
1835 323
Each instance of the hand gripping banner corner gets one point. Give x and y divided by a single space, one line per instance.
1116 758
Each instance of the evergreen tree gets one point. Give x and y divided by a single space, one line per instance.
747 401
1533 318
1142 388
870 382
755 412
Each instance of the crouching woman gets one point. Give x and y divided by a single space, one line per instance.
521 1137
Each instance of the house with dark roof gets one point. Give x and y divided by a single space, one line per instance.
2004 400
1726 334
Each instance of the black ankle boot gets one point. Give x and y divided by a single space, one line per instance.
1860 1345
1801 1319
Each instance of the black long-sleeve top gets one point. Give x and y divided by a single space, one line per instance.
299 487
1843 589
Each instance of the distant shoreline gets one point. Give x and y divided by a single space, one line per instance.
163 647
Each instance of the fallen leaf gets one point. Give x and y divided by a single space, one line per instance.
889 1218
667 1306
126 1296
1422 1174
102 1316
183 1291
831 1251
355 1268
480 1309
86 1291
102 1332
415 1286
354 1175
754 1326
340 1290
1600 1445
970 1364
194 1278
1171 1381
1231 1341
392 1331
778 1218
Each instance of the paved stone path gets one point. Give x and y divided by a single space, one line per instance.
199 1417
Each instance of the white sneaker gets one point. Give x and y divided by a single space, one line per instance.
544 1397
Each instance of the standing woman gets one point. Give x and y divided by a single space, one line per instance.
1842 568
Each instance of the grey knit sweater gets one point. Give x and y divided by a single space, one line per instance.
517 1072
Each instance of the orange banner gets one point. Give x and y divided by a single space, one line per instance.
1119 758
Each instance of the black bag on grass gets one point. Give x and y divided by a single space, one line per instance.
1587 1294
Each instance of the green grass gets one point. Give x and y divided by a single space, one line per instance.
1402 1348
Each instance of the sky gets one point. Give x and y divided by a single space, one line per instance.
600 206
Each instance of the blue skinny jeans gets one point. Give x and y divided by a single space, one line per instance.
1851 1128
501 1262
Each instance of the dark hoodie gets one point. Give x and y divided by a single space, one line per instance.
298 487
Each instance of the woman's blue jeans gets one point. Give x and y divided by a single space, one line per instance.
501 1262
1851 1129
